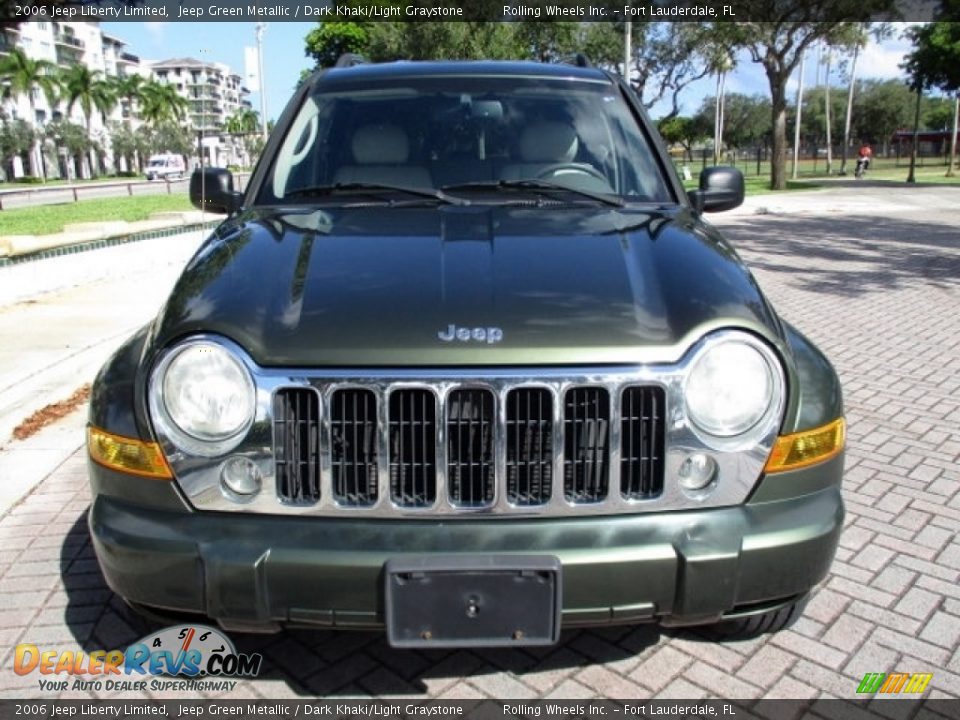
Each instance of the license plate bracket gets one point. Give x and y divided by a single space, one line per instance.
473 601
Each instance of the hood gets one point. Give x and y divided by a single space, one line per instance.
460 286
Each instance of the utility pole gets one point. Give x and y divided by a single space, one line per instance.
263 89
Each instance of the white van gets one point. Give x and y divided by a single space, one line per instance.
166 166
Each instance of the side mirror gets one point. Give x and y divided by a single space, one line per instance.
211 189
721 188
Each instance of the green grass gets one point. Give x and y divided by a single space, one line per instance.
923 175
812 176
761 185
46 219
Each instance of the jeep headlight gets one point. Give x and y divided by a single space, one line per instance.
731 387
204 397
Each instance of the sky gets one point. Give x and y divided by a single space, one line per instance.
284 57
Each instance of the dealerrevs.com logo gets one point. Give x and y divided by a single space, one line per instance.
179 651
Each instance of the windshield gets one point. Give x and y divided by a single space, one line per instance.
467 135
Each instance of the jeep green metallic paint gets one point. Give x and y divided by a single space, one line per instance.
465 363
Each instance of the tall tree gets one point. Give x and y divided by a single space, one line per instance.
91 91
128 89
329 40
16 138
935 62
73 138
778 45
747 118
21 75
852 85
161 103
881 108
548 41
667 56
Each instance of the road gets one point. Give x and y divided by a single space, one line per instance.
872 274
14 196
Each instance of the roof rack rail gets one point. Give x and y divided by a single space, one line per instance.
577 59
349 60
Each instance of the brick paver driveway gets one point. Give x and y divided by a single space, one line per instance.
878 289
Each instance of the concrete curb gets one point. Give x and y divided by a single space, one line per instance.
79 233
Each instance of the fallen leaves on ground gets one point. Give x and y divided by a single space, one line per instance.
51 413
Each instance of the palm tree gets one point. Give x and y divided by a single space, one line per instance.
161 103
244 122
21 74
129 89
87 87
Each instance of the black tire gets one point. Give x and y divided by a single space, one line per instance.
751 626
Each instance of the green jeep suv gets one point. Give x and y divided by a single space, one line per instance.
465 363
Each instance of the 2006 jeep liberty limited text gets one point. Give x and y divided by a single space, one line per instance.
465 363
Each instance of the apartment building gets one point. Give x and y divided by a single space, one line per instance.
215 92
65 44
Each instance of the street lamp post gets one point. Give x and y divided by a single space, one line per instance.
263 89
627 49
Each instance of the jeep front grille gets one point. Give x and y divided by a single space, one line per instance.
474 435
642 441
471 425
529 446
296 424
413 448
353 446
585 461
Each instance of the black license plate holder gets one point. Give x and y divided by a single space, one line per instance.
473 601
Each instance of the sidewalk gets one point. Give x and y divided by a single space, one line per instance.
77 234
53 343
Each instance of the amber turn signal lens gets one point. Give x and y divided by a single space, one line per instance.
808 447
127 455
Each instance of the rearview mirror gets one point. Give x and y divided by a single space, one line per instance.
211 189
721 188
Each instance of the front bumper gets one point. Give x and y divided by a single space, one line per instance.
258 572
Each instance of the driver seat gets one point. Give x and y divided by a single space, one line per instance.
542 145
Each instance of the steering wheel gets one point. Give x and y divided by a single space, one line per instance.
565 168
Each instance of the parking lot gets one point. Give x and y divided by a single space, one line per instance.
872 274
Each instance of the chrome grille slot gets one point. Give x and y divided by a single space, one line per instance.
470 418
586 444
296 423
413 447
353 446
529 446
642 442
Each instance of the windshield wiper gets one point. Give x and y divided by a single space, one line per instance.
535 185
375 188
